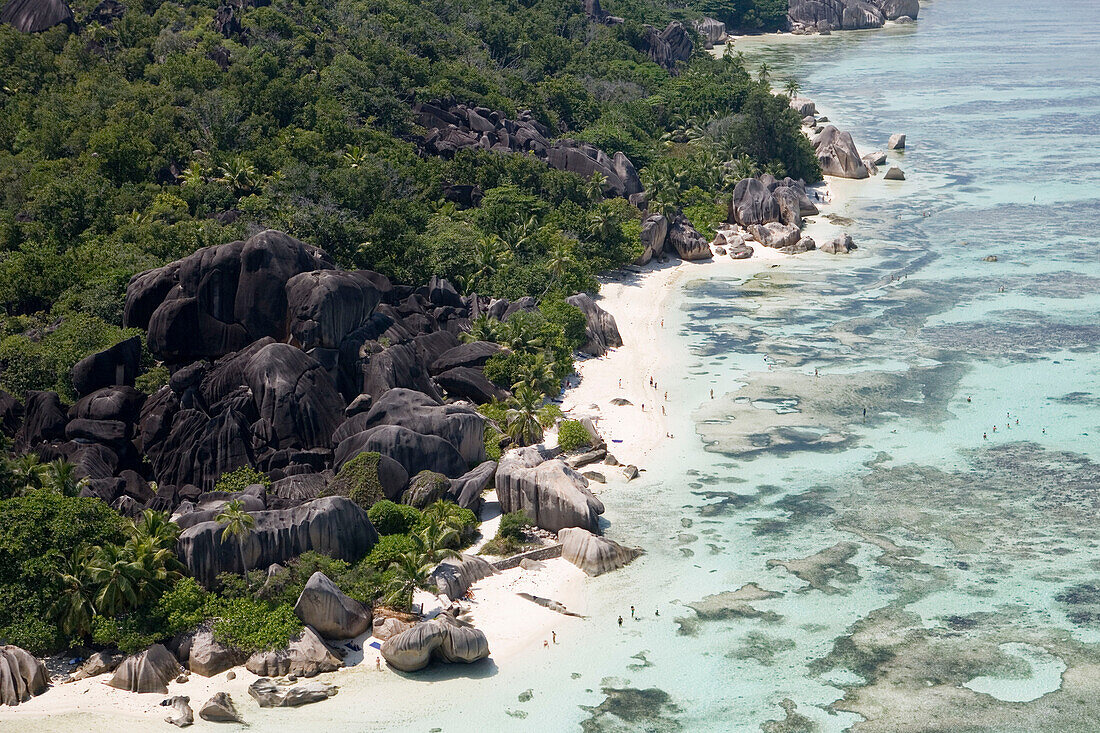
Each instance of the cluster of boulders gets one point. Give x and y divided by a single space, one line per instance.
552 494
456 127
836 151
444 638
282 362
824 16
665 47
22 675
675 236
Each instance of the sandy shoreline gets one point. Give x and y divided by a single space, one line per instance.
638 298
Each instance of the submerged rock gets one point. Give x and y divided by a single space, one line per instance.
840 245
897 142
895 174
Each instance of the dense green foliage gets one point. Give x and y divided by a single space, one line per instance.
121 142
358 480
240 479
35 530
747 16
390 518
572 435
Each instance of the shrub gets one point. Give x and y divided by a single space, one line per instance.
513 525
492 438
358 480
390 518
152 380
131 633
252 625
572 435
387 550
240 479
182 607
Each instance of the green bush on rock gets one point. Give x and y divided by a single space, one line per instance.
572 435
358 480
240 479
390 518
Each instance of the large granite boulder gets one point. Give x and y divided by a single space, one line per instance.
99 663
109 403
896 9
415 451
473 354
460 425
454 576
838 155
220 298
858 15
294 396
471 384
11 414
600 329
654 232
22 675
326 305
466 490
819 14
713 31
34 16
775 235
305 656
687 243
586 159
593 554
44 419
840 245
752 203
117 365
624 169
790 209
323 606
149 671
269 695
207 656
552 494
220 709
443 638
804 107
333 525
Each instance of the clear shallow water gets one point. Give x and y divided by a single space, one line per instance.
960 574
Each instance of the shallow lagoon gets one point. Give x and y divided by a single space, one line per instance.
909 573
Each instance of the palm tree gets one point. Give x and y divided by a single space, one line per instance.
60 476
436 541
355 156
119 578
514 334
409 572
602 224
743 167
523 416
238 523
538 374
482 328
74 608
27 473
239 175
594 187
520 234
762 73
560 258
446 513
791 88
490 254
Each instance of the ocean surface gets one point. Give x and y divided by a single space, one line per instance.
911 569
910 574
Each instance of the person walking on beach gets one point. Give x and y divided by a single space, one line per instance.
620 621
632 612
712 394
554 634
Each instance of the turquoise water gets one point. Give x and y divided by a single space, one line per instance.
942 581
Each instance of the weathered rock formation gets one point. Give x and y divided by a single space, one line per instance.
831 15
149 671
182 715
837 154
323 606
269 695
713 31
600 327
204 655
305 656
333 525
220 709
444 638
34 16
453 577
22 675
593 554
686 241
552 494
